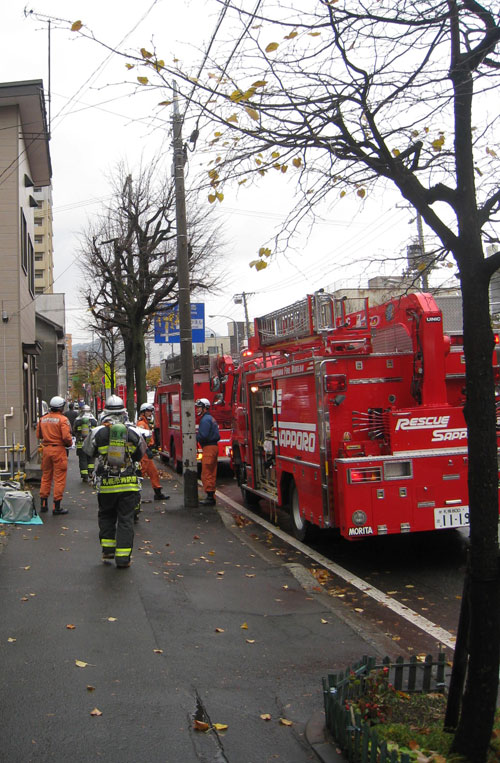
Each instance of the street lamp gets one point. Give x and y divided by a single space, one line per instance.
235 323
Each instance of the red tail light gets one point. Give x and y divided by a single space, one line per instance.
365 474
335 383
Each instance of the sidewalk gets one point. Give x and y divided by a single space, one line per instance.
204 625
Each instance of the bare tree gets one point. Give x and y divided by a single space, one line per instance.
130 267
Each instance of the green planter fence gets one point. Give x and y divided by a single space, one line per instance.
357 739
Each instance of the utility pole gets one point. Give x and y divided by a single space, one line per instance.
190 468
420 230
238 300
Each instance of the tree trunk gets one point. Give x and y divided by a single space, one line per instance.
129 374
473 733
139 363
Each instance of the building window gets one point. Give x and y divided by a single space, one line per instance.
36 189
31 267
39 290
39 273
38 239
39 221
24 243
38 256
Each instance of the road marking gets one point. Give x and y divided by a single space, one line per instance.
440 634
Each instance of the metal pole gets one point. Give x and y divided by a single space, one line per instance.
186 340
247 322
420 229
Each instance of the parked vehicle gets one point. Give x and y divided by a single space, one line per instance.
354 420
213 379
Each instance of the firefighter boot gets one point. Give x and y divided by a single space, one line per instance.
159 495
44 505
58 509
209 500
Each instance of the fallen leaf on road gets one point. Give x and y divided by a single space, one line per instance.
200 726
158 651
250 641
220 726
212 553
249 575
324 621
27 568
219 630
266 716
90 688
81 664
221 572
95 711
71 627
25 598
11 640
112 619
244 627
285 722
358 609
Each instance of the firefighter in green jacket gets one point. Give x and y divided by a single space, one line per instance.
119 446
82 426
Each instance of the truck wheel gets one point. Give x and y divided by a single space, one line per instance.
299 525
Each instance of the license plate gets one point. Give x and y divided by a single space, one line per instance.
456 517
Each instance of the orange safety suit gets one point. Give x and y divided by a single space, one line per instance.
54 431
148 467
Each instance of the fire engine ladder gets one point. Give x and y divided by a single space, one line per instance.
312 315
318 314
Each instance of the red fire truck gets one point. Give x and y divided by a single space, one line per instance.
353 418
213 377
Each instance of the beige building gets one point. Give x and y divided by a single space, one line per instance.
44 253
24 165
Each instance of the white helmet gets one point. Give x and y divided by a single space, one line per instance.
86 409
202 402
114 407
57 403
146 407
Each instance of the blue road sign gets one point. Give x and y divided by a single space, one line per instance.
167 324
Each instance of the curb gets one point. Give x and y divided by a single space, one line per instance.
317 737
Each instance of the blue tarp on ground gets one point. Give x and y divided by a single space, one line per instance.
36 520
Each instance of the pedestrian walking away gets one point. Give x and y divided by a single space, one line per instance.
207 436
145 422
82 426
118 446
54 432
71 413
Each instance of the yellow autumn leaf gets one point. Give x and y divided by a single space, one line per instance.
272 46
142 80
284 168
259 83
81 664
290 36
252 113
219 630
220 726
285 722
438 144
145 53
324 621
297 162
159 65
11 640
71 627
266 716
244 626
164 103
112 619
261 265
396 151
415 134
314 34
232 118
264 251
217 134
240 182
211 198
129 66
275 155
250 641
361 193
90 688
158 651
76 26
95 712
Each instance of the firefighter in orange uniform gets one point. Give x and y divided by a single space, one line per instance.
207 436
148 468
55 433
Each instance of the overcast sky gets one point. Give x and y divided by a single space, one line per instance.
98 119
